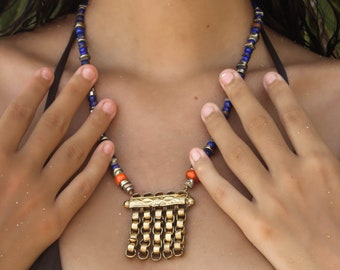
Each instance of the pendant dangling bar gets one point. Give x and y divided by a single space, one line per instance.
158 225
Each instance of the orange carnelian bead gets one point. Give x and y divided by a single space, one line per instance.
191 174
257 25
119 178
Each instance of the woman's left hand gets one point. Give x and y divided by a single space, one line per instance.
294 216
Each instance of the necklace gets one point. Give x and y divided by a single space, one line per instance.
158 220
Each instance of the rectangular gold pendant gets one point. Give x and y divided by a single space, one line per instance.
158 225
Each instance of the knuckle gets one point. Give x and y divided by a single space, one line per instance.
21 111
263 230
279 208
291 115
220 194
16 181
55 121
85 189
257 123
237 153
51 226
13 187
78 86
321 166
316 162
75 153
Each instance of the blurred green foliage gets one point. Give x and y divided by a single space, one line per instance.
21 15
328 22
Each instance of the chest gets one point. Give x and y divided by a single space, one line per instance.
153 138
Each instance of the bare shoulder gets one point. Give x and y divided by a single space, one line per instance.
316 82
307 70
24 53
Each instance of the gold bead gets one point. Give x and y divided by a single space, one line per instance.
157 238
168 237
178 246
146 225
158 214
178 235
169 214
134 226
146 237
158 225
181 212
133 238
131 247
156 249
168 226
143 248
135 216
147 215
180 224
167 248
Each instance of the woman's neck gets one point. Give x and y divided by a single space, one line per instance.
169 38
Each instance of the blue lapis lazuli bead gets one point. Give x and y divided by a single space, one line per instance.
208 151
84 62
92 99
114 167
245 58
252 41
227 105
80 31
248 51
82 45
83 50
212 144
93 103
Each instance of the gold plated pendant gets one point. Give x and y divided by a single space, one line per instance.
158 225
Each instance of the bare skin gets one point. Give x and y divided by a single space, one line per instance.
158 76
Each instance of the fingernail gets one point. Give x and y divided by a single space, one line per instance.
46 74
270 77
88 74
108 148
207 110
195 155
108 107
227 76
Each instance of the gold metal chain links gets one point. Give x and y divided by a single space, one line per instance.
158 225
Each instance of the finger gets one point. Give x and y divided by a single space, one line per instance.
75 195
239 157
18 115
257 123
299 128
238 207
55 121
72 154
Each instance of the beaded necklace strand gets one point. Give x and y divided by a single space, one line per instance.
158 220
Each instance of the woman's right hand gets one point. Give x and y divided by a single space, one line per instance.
33 214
